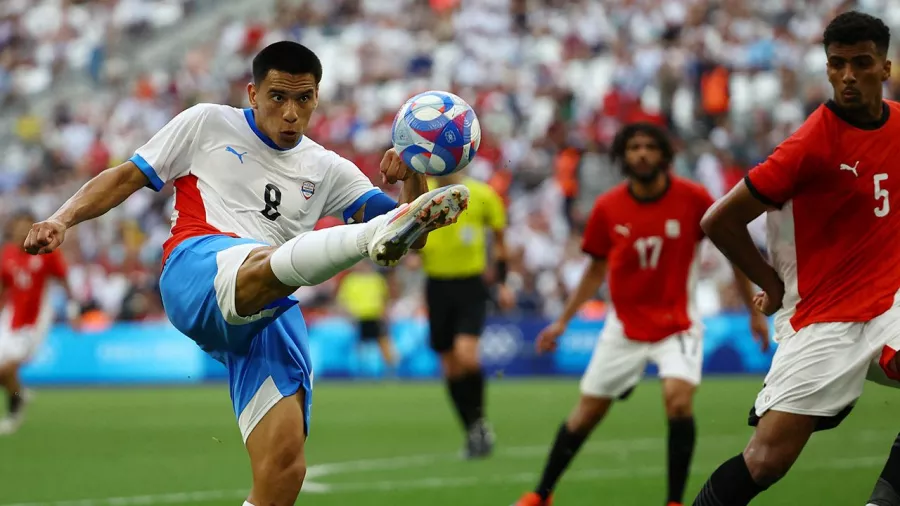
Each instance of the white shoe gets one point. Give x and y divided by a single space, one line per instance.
11 424
400 228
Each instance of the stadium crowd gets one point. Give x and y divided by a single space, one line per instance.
551 81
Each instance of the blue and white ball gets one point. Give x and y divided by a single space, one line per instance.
436 133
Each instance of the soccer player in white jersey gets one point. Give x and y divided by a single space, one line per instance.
249 188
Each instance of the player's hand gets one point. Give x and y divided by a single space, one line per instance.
393 169
547 339
759 326
45 237
769 300
506 298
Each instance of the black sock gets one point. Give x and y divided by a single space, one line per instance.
475 384
682 433
15 403
887 488
461 394
565 446
730 485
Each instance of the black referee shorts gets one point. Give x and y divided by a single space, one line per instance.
370 330
455 306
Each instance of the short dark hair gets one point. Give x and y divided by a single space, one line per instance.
286 56
853 27
617 151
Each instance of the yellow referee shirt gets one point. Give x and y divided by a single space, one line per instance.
460 250
364 295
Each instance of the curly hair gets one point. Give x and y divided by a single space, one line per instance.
853 27
617 151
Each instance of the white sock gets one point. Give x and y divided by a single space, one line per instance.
315 257
247 503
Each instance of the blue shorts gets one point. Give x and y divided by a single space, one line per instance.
266 354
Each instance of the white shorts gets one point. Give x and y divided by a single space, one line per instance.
21 344
618 363
821 369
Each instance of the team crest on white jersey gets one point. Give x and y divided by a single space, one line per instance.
673 229
308 189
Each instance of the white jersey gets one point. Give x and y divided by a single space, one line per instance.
231 179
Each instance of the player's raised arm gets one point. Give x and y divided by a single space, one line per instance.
102 193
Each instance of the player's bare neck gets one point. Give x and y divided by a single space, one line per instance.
651 190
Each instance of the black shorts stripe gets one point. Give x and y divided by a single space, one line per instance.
759 196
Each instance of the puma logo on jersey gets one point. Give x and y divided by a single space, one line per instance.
622 229
235 153
844 166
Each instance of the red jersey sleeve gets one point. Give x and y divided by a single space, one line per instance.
596 240
781 176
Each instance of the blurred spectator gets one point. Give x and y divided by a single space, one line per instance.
551 80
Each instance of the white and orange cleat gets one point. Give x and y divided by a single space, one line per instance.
533 499
401 228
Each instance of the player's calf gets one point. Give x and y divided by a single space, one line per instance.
887 488
773 449
277 458
679 397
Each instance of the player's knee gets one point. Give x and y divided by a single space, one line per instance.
466 352
767 463
285 467
679 404
450 365
256 286
588 413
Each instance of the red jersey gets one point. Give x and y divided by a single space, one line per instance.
834 235
24 279
650 247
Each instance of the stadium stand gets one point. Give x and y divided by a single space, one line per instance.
551 81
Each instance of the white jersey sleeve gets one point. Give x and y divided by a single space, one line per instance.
167 155
351 189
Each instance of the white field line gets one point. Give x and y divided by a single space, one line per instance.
622 447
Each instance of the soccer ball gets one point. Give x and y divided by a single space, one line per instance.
436 133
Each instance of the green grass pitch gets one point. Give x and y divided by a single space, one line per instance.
398 444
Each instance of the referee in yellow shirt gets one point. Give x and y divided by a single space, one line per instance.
455 259
364 293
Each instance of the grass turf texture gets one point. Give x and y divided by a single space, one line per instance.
398 444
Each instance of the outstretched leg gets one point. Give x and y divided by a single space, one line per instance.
269 274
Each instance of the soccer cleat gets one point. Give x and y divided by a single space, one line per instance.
431 211
675 504
479 441
11 423
533 499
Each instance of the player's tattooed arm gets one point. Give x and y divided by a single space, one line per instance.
725 224
102 193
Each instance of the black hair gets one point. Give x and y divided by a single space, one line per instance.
853 27
286 56
617 151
